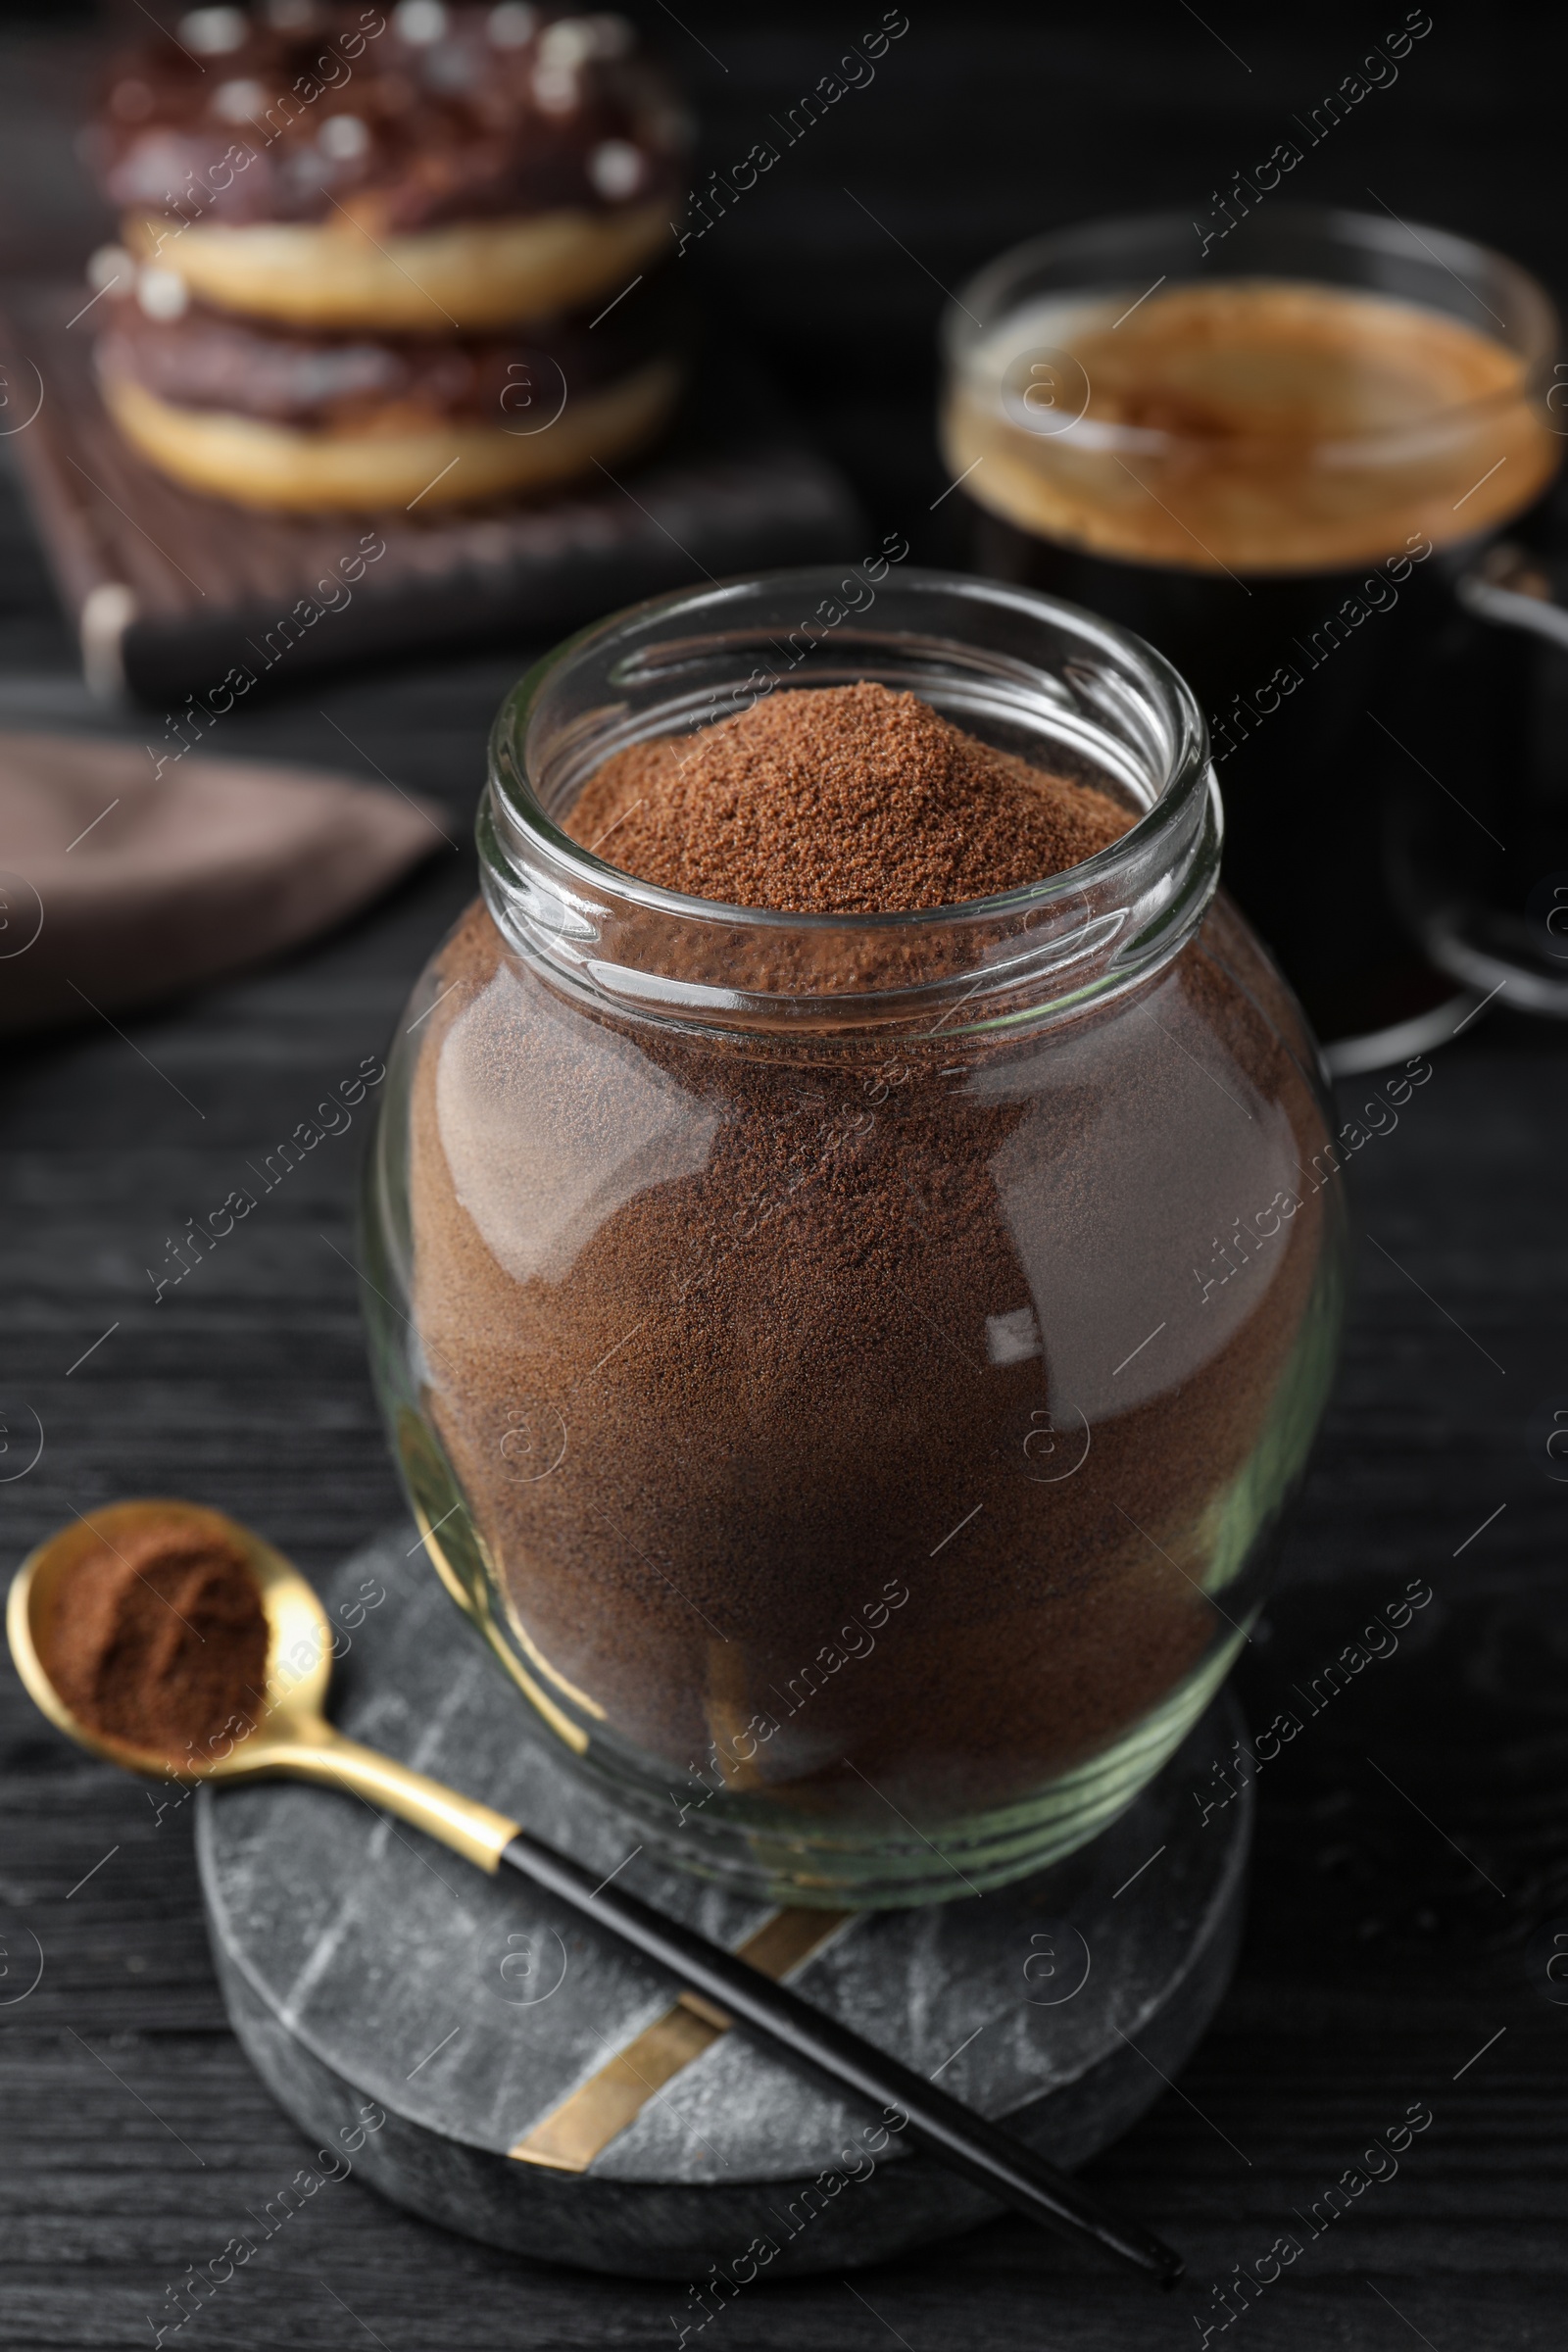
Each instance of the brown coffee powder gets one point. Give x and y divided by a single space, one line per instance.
847 800
732 1343
160 1640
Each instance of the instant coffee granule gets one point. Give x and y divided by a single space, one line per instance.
783 1373
160 1639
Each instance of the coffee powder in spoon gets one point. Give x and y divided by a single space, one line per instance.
159 1638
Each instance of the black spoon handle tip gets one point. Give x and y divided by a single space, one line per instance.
959 2138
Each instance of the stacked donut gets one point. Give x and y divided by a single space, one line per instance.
376 260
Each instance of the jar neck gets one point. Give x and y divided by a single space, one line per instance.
1026 957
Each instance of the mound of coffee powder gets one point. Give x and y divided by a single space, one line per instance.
849 800
845 1414
160 1639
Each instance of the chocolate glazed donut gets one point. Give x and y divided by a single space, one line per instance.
209 359
368 249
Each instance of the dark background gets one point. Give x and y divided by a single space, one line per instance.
1391 1933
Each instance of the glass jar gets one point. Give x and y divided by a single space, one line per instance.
854 1368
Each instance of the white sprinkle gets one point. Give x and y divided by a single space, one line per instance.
107 264
239 101
616 168
511 24
419 22
555 89
569 41
343 136
213 31
613 36
161 294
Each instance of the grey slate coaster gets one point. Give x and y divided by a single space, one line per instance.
359 1961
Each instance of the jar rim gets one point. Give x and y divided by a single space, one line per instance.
1033 665
508 773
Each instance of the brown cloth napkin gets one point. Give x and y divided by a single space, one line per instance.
118 887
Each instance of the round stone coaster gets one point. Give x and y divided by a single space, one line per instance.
542 2087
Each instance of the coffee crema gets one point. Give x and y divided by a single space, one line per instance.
1250 425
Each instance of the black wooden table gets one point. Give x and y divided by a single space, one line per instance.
1413 1851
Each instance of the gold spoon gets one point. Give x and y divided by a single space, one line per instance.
291 1739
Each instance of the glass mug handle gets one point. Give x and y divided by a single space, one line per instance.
1507 589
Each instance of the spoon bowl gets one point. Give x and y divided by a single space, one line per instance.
288 1735
298 1640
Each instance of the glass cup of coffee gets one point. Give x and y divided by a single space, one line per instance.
1307 459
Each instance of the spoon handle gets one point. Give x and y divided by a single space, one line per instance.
730 1990
475 1832
963 2140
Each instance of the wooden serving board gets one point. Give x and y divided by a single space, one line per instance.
170 589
